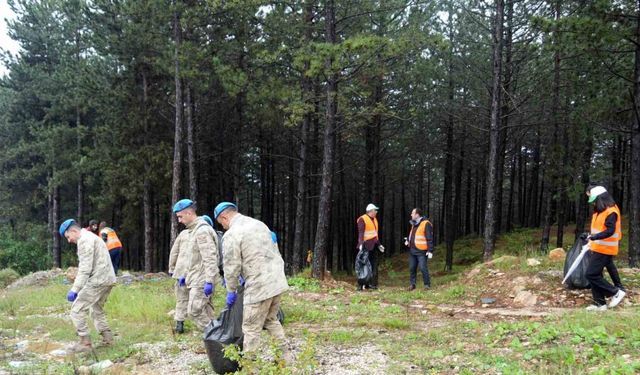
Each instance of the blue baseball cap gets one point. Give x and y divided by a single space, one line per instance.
221 207
207 218
65 225
181 205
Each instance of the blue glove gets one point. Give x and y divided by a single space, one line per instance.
71 296
208 289
241 280
182 281
231 298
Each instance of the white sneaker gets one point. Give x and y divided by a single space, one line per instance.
597 308
617 298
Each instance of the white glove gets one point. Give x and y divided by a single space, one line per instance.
381 248
429 254
360 247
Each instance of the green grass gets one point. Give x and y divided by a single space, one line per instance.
405 325
7 276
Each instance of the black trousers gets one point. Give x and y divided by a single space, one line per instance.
615 276
600 288
373 259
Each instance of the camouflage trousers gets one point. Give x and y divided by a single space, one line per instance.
199 307
182 303
90 299
257 316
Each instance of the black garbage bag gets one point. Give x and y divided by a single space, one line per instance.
578 279
222 332
363 267
225 331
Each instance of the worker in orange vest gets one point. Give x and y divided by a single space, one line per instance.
611 267
114 245
604 239
420 244
368 239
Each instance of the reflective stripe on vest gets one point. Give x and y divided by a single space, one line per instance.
609 245
113 241
370 227
421 235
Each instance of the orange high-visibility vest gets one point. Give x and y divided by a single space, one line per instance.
421 235
370 227
608 246
113 241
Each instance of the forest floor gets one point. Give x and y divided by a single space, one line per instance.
531 325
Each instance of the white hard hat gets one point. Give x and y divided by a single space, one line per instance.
595 191
371 207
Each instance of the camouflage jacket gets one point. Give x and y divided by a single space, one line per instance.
202 254
94 263
249 250
178 256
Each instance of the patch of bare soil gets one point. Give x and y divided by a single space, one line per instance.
166 358
533 294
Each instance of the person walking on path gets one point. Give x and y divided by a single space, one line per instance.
604 239
611 267
250 251
92 286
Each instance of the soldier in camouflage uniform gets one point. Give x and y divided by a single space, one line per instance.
202 262
92 286
178 270
249 250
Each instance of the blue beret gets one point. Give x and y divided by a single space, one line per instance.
65 225
221 207
181 205
207 218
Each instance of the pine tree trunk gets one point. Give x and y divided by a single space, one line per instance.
553 155
299 252
177 141
324 206
494 135
634 180
148 247
146 194
512 182
562 190
505 114
448 197
50 224
55 220
80 187
583 208
191 145
532 199
468 212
